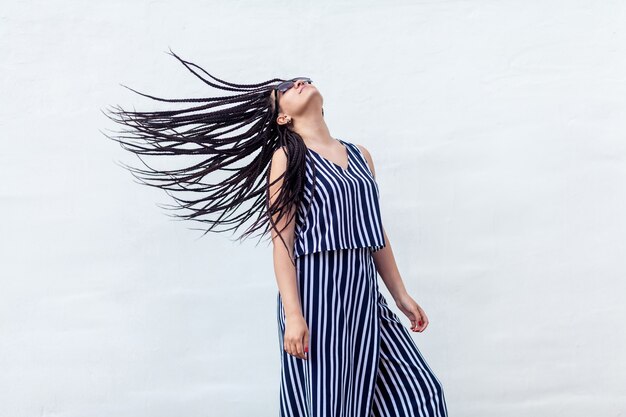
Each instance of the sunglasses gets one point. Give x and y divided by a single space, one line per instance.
286 85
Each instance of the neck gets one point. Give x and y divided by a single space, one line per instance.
313 129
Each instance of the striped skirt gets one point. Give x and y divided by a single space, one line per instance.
362 361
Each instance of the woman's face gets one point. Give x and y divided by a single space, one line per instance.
299 99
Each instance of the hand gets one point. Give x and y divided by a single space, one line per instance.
414 312
296 340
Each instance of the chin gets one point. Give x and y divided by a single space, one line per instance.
311 92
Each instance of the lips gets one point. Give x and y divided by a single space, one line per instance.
302 88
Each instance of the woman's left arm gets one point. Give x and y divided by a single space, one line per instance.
388 270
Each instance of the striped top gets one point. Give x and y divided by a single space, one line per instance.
342 211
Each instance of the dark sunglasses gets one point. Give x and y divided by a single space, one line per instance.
286 85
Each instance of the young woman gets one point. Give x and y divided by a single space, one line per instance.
344 352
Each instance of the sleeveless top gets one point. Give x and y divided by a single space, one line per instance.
341 211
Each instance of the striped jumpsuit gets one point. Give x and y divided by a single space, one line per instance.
362 361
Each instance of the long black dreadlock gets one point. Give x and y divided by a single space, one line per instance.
196 131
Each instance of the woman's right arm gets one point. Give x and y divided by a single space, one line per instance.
296 331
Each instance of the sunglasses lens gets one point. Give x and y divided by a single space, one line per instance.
284 86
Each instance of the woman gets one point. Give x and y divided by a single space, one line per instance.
343 350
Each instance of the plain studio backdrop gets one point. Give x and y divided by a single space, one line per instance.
497 132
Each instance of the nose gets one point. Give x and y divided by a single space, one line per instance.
299 83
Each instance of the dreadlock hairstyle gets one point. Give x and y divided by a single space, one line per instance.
207 129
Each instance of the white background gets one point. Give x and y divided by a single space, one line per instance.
497 132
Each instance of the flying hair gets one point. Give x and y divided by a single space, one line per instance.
235 135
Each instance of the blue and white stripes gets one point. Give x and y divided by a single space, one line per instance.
341 210
362 361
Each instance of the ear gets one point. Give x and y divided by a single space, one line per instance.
282 119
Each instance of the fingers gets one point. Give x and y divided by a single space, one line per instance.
424 317
291 348
298 347
295 349
417 325
299 350
420 322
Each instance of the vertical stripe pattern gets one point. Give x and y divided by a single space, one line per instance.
341 210
362 361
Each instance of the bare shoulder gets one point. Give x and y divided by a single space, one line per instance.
279 154
279 162
368 157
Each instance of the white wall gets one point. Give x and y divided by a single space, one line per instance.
497 130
